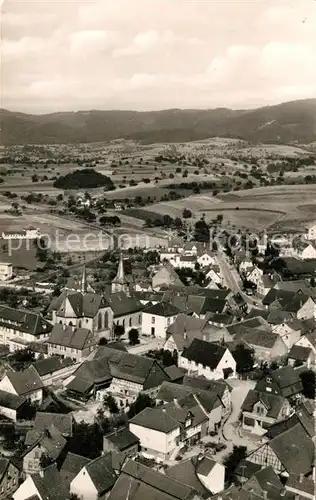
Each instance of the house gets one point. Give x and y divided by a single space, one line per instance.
49 442
185 328
309 251
289 330
245 266
175 373
158 433
290 452
211 360
117 372
301 356
202 474
12 405
213 278
301 486
82 310
265 283
267 345
9 478
46 485
71 342
311 231
138 482
70 467
254 275
308 340
297 303
219 387
261 409
6 271
19 327
127 311
206 258
284 381
121 441
54 369
98 477
266 480
303 416
26 383
209 401
245 470
183 261
157 318
166 276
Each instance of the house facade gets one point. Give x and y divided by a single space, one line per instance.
157 318
260 411
26 383
6 271
9 478
71 342
311 232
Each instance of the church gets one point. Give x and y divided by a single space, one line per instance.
81 308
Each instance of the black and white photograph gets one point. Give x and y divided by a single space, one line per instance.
157 249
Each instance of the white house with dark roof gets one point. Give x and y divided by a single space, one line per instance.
11 405
26 383
213 361
6 271
126 310
311 231
49 442
260 410
157 318
69 342
20 327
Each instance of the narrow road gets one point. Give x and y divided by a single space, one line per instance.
232 279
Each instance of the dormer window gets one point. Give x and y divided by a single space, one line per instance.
269 380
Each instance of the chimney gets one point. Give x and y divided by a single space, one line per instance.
265 494
41 473
301 478
185 336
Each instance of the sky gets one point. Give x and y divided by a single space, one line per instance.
155 54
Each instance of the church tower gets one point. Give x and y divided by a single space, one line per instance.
84 283
120 283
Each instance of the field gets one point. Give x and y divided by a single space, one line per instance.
277 207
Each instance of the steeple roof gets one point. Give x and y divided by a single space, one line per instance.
120 275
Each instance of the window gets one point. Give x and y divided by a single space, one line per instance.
123 323
153 319
130 321
269 380
106 320
99 321
168 321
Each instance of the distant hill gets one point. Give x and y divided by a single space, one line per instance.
84 179
284 123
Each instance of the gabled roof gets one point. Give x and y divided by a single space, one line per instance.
169 392
76 338
49 485
299 353
102 471
218 386
51 440
11 401
25 382
156 419
138 482
51 365
295 450
206 353
72 465
174 372
186 472
83 304
272 402
24 321
4 464
121 304
122 438
164 309
258 337
62 422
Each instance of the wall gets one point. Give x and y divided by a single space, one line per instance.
132 320
215 417
5 385
8 412
288 335
109 446
309 252
50 378
154 440
304 342
227 361
308 310
9 483
6 271
26 490
69 352
159 323
215 480
31 461
83 486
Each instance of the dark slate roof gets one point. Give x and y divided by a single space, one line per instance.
295 450
257 337
186 473
299 352
121 304
189 405
122 439
284 296
221 318
174 372
164 309
72 465
272 402
24 321
51 365
102 471
83 305
51 440
25 382
62 422
247 469
303 484
8 400
269 480
4 463
78 338
239 327
156 419
169 391
206 353
50 486
217 386
142 483
287 380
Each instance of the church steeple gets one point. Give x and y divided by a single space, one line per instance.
120 283
84 283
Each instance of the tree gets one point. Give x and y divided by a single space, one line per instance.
232 460
45 461
143 401
87 440
186 214
35 178
119 330
244 358
110 403
308 379
103 341
133 336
